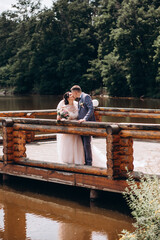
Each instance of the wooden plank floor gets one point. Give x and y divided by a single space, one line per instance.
146 153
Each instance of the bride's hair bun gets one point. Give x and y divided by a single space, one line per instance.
65 97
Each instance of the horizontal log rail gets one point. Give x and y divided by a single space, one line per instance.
28 113
74 123
57 123
56 129
128 114
99 111
63 167
139 126
134 110
140 134
53 126
135 130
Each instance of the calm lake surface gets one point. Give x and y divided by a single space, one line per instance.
34 102
48 102
42 211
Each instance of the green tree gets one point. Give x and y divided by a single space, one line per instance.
114 75
137 28
78 42
18 43
46 46
106 67
157 63
7 26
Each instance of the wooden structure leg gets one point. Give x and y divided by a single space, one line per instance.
7 130
119 153
30 136
19 144
93 195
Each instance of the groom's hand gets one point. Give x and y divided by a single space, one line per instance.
81 120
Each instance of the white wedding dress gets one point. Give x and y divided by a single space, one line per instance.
70 147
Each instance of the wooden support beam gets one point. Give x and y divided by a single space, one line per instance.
93 195
42 137
130 114
136 110
140 134
63 167
62 129
139 126
90 181
119 153
7 131
19 149
60 123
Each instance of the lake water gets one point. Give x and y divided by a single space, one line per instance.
50 102
42 211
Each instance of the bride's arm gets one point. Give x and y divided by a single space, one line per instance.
59 106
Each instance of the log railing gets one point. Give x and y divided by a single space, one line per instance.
99 111
128 112
119 142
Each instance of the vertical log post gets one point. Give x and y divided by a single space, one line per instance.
98 116
7 130
19 149
119 153
30 135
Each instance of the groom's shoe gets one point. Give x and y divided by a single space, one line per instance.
88 164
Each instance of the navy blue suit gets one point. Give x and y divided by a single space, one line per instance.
86 111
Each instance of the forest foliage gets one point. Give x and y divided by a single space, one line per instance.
97 43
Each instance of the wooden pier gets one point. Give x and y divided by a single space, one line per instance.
21 127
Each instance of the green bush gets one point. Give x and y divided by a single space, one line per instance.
144 201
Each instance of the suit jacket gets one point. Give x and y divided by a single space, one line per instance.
85 108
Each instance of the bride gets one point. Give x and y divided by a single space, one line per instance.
70 146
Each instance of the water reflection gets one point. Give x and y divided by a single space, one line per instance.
50 101
1 218
36 216
44 228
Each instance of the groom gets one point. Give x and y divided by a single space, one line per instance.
85 113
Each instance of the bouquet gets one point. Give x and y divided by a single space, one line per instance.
62 113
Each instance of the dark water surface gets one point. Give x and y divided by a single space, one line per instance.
42 211
49 101
34 102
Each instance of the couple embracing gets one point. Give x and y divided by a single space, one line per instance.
74 148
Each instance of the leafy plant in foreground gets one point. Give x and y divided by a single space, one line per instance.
144 201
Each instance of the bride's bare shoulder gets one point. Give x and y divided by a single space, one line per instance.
60 104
